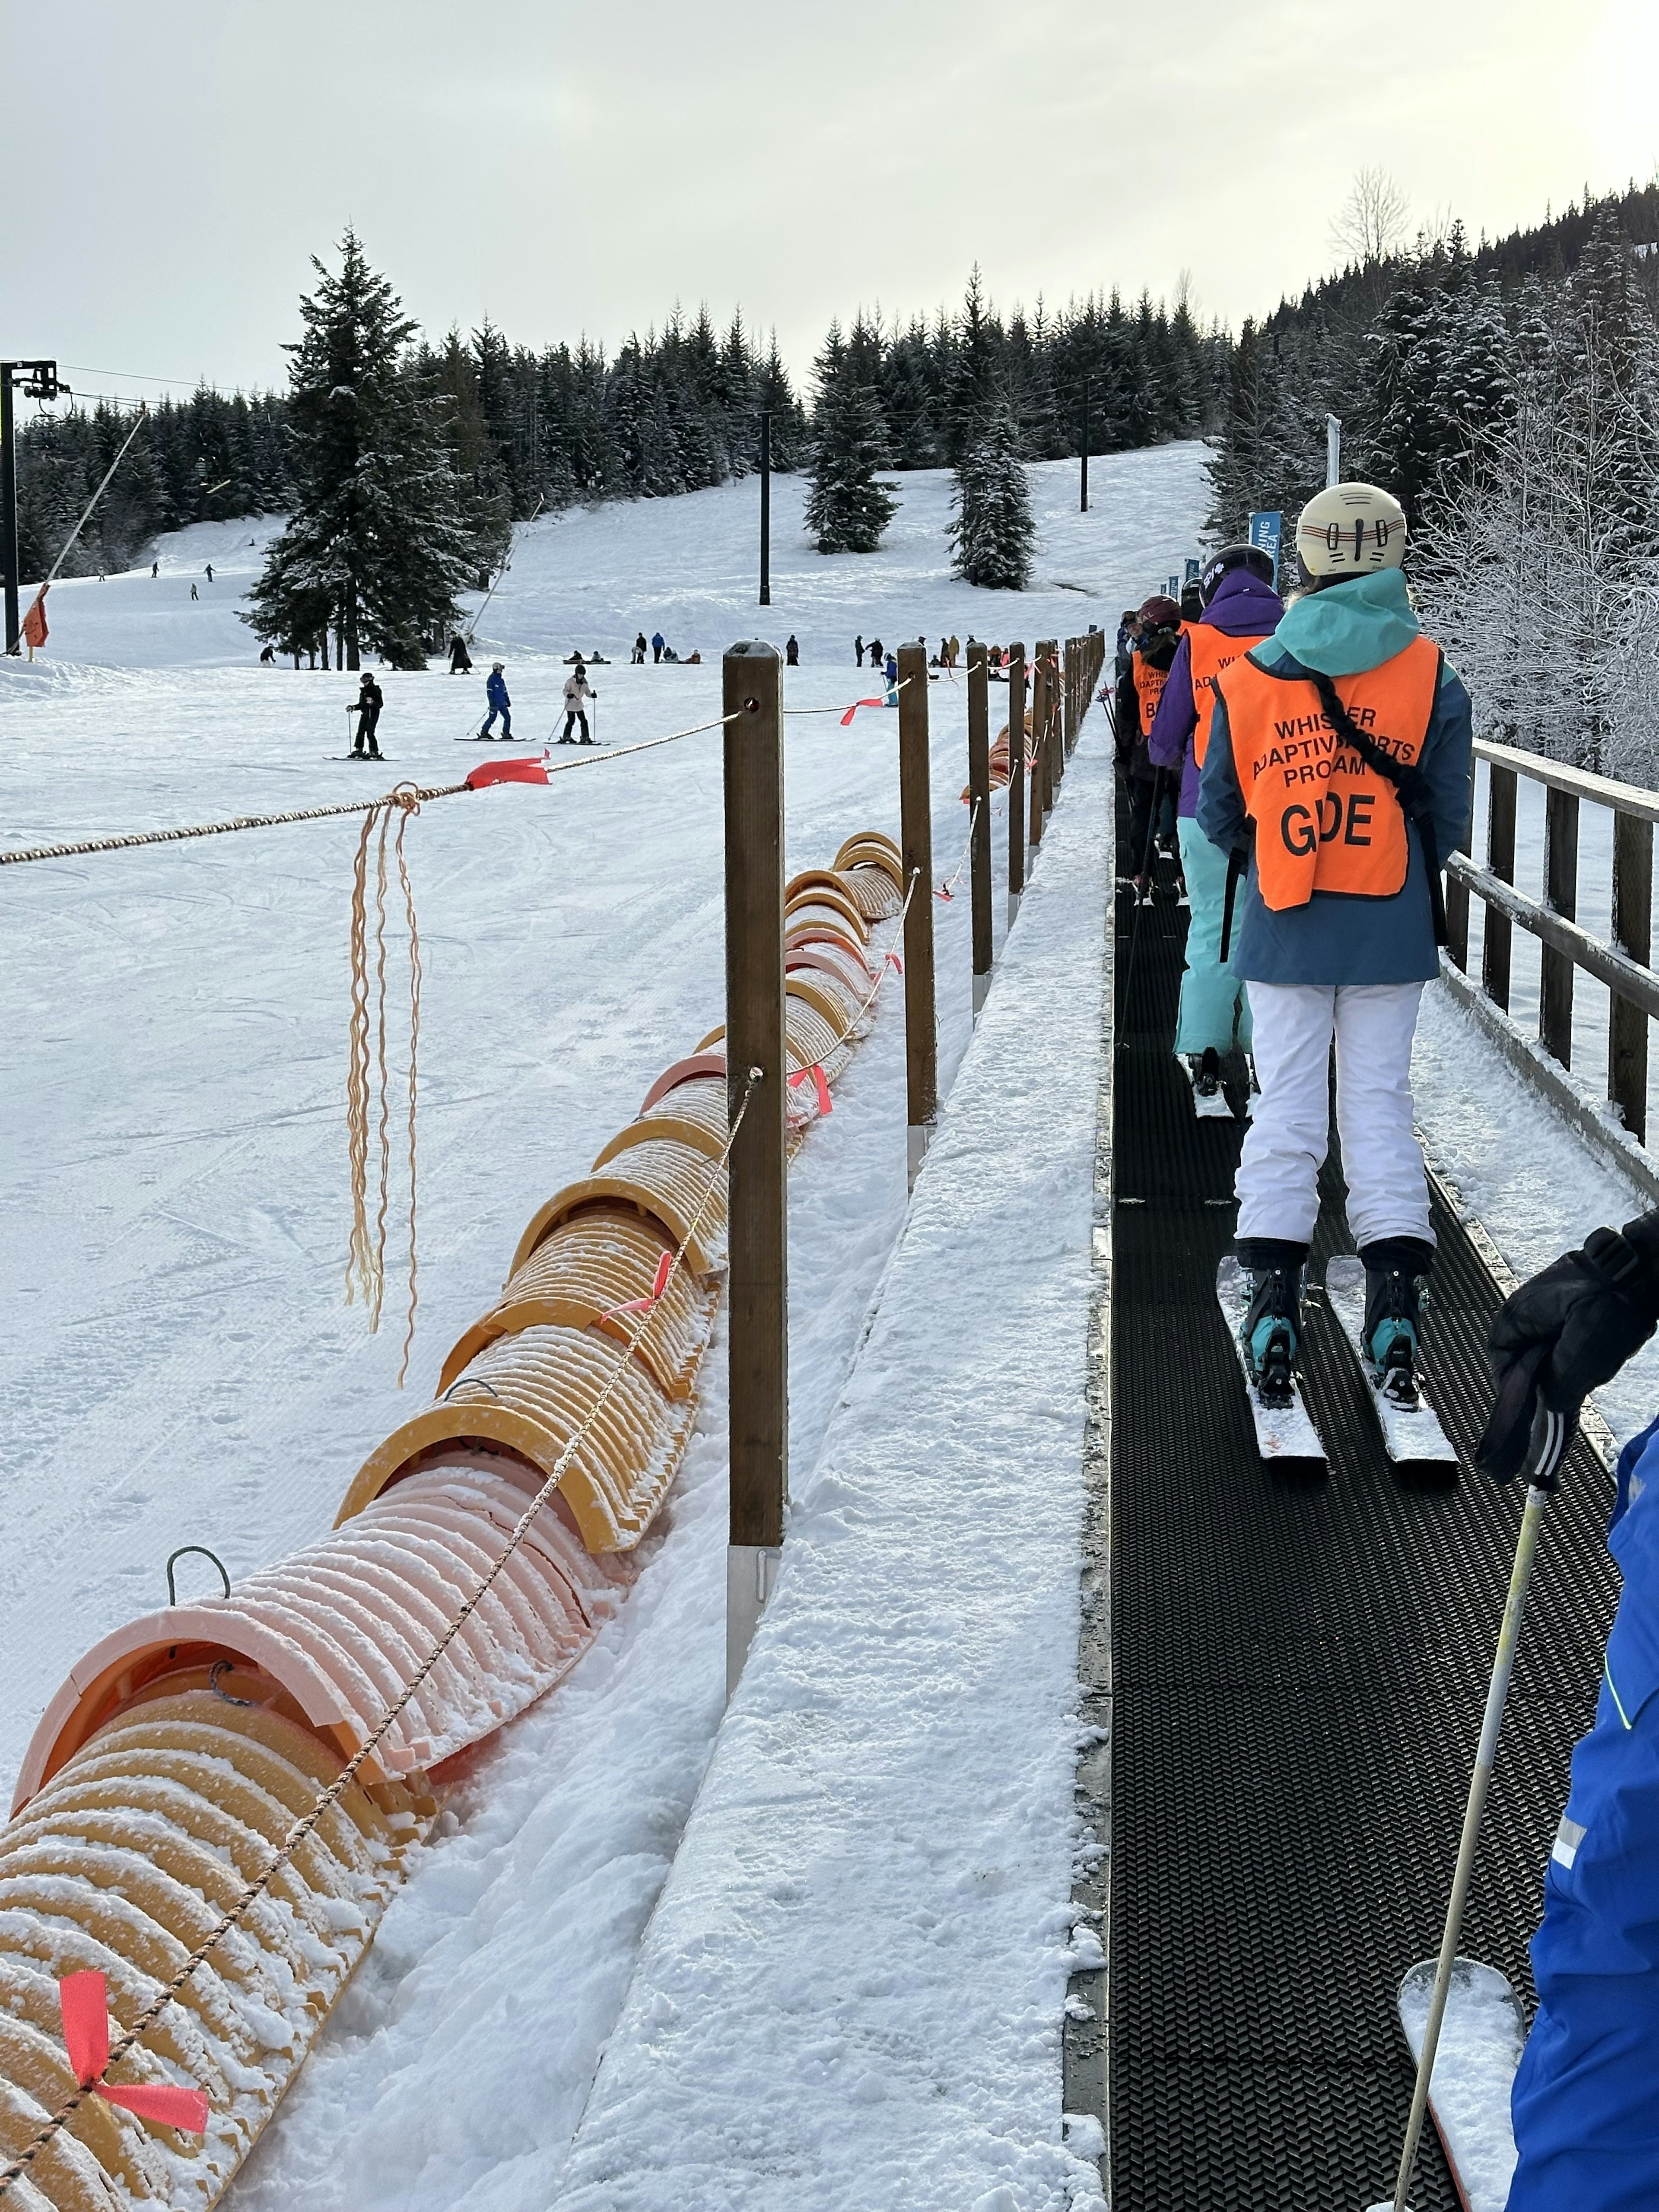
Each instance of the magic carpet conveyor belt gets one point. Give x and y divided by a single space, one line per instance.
1298 1668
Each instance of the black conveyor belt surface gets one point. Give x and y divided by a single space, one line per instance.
1298 1670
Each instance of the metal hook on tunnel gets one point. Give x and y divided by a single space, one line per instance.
225 1667
202 1552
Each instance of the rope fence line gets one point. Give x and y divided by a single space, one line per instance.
234 1915
955 876
420 796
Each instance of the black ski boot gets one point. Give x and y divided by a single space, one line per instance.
1273 1326
1396 1295
1207 1076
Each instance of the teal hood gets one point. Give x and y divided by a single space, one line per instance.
1345 629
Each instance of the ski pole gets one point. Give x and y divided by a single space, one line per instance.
1146 869
1551 1434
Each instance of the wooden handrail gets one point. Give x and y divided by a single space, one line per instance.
1577 782
1626 976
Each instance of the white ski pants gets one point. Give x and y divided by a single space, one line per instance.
1372 1025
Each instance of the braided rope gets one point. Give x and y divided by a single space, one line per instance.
321 813
212 829
234 1915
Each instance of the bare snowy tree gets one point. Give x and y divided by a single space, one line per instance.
1371 224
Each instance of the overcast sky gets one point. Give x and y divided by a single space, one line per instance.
562 166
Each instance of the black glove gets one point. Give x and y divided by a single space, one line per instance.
1568 1330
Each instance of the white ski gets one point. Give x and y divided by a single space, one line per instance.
1214 1108
1409 1432
1282 1433
1479 2049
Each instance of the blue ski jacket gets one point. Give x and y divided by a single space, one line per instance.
1334 938
1243 606
495 690
1583 2103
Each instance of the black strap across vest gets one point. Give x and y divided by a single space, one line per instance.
1409 787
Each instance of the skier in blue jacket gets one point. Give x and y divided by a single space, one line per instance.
496 692
1241 609
1584 2106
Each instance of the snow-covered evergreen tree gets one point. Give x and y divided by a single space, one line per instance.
993 536
376 548
847 508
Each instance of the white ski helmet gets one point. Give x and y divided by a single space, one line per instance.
1350 528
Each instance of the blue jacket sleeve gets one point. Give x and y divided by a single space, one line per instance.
1220 802
1176 717
1448 755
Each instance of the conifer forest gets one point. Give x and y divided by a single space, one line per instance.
1508 391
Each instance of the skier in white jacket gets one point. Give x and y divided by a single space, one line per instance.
577 692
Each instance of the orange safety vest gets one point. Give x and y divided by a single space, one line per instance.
1325 822
1149 690
1209 651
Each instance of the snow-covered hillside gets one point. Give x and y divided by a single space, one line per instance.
594 577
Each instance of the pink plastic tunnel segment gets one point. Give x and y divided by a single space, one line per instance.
329 1637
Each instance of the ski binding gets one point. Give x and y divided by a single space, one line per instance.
1209 1105
1282 1433
1411 1429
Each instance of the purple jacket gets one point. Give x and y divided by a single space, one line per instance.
1243 606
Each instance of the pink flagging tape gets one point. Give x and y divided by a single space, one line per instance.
665 1268
846 718
821 1081
85 2000
893 961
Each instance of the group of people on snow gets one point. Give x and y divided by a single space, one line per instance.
1317 751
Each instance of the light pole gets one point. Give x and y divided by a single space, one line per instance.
766 506
1085 446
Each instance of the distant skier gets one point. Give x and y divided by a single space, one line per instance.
1344 743
1582 2099
194 593
577 692
791 654
154 568
656 645
499 703
638 650
1141 686
210 572
890 670
1241 608
858 651
370 699
460 660
875 653
268 658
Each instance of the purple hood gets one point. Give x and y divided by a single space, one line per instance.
1243 606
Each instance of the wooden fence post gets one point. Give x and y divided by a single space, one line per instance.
1632 932
1039 742
979 803
1016 778
758 1290
1073 653
1561 892
1053 763
917 850
1498 932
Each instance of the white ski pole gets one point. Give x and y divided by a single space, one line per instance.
1550 1437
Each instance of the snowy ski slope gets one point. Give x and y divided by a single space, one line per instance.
177 1361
